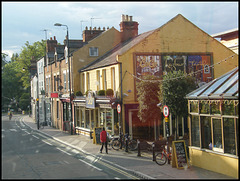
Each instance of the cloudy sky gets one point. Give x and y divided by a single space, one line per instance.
25 21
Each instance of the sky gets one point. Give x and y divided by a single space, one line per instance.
26 21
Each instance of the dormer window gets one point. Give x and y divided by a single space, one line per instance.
93 51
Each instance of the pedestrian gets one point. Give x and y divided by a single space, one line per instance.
103 139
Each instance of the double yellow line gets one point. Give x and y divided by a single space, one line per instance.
118 170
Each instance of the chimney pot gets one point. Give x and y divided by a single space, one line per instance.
130 18
50 38
99 28
54 37
90 28
94 28
123 17
103 28
108 28
126 17
86 28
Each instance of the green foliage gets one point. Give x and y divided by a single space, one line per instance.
174 88
147 96
24 101
79 93
109 92
101 93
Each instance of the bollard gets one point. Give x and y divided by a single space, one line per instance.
126 139
153 148
138 144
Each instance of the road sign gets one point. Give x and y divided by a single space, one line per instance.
119 108
165 111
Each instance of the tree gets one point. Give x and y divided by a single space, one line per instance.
147 96
174 88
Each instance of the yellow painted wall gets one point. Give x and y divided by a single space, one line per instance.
214 162
105 42
93 78
177 36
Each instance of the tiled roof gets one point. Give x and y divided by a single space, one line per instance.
110 57
224 87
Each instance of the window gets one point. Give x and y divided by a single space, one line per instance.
87 119
217 135
82 118
113 78
98 80
83 83
204 108
88 81
104 79
93 51
64 81
77 114
215 107
194 106
195 131
58 82
57 110
67 83
55 83
229 136
206 135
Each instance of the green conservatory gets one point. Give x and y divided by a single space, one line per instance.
213 125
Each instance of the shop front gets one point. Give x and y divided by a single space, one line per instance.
213 125
91 112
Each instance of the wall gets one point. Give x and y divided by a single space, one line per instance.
105 42
209 160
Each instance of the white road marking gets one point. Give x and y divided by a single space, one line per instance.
27 132
47 142
90 164
13 130
35 136
64 151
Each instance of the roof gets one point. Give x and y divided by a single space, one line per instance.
219 35
110 57
224 87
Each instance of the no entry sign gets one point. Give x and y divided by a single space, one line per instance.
119 108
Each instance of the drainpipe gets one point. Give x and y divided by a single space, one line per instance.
120 121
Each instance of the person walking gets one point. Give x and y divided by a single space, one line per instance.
103 139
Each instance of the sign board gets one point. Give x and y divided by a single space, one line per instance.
96 135
118 108
165 111
179 154
54 95
90 100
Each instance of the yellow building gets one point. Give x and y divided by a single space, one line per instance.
177 45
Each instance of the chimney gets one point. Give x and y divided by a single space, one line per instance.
91 33
128 28
51 44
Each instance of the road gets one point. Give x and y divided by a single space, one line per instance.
29 154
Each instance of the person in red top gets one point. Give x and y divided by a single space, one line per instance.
103 139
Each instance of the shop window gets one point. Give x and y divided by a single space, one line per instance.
229 136
228 107
92 119
102 118
204 107
109 120
194 106
217 135
77 114
57 110
87 124
215 107
116 123
206 138
82 118
195 137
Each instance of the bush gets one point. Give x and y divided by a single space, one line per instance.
101 93
109 92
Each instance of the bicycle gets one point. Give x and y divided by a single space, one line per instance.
41 125
163 156
120 142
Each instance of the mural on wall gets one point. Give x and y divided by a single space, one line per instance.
148 65
162 64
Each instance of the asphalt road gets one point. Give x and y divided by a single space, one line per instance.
28 154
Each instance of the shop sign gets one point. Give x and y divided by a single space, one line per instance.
90 100
54 95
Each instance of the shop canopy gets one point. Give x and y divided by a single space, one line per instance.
224 87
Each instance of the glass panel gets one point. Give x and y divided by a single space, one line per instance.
116 123
92 119
233 89
217 135
206 132
195 131
229 136
215 107
214 86
227 84
82 120
237 128
194 106
228 107
109 121
102 117
204 107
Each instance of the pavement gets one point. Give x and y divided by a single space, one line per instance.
142 166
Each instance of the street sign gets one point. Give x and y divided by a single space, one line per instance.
165 111
118 108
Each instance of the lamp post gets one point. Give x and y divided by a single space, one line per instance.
69 82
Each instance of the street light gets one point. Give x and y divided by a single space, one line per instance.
69 82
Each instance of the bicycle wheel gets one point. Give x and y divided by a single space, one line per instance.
161 158
116 144
132 145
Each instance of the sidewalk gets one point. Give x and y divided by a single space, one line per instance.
142 166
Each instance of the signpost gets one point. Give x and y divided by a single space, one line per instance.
166 114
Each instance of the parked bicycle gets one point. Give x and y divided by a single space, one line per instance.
41 125
120 142
163 156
